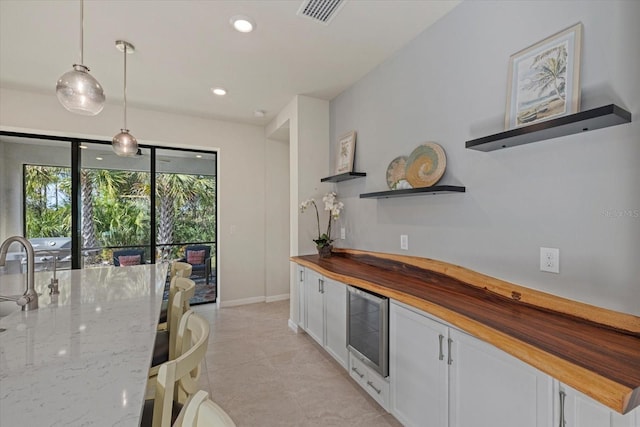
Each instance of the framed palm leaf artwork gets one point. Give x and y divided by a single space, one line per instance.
544 79
345 152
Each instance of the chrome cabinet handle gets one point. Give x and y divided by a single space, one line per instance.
377 390
354 369
302 275
321 282
449 358
441 355
563 421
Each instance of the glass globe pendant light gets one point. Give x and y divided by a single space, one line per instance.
124 144
77 90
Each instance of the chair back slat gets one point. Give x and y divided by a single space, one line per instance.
174 377
184 291
181 269
184 344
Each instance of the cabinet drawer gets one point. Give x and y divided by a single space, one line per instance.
357 370
378 388
370 381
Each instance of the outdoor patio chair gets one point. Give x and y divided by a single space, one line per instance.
128 257
199 256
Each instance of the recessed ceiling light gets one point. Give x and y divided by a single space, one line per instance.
242 23
84 147
219 91
98 158
199 156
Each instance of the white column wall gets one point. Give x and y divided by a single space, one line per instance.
277 220
308 122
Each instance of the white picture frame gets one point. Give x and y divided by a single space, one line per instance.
345 152
544 79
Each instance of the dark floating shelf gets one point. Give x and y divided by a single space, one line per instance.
436 189
597 118
344 177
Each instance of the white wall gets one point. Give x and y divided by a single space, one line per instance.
277 219
3 193
307 121
241 175
577 193
313 164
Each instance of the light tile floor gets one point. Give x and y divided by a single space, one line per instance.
264 374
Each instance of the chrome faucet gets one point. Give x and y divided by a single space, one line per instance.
28 301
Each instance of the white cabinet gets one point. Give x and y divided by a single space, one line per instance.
325 308
417 368
314 298
335 310
370 381
442 377
488 387
574 409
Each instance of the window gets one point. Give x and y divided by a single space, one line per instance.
47 200
186 204
81 195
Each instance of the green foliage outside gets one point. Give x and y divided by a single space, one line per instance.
48 201
116 207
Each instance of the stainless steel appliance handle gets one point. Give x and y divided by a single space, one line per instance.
366 295
441 355
449 358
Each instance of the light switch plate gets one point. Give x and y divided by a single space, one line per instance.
404 242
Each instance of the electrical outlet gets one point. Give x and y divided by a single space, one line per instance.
343 233
550 260
404 242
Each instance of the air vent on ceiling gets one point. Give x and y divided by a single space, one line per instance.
321 11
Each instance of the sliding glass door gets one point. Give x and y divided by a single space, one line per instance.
186 214
115 206
76 198
35 201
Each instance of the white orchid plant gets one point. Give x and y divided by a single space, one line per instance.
334 207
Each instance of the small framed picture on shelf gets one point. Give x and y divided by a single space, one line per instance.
544 79
345 152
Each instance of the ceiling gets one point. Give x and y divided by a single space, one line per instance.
184 48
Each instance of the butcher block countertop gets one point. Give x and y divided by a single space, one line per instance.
592 349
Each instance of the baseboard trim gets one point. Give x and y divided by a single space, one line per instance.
293 326
275 298
252 300
242 301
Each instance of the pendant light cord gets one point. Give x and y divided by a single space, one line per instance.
81 32
125 86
